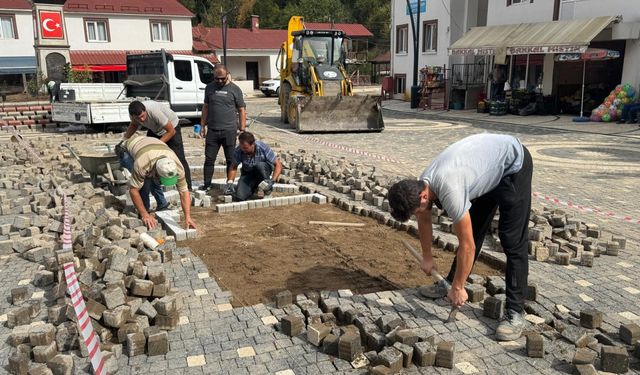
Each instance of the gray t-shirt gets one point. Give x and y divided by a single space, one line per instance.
223 104
471 168
157 117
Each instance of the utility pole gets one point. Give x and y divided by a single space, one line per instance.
224 34
415 28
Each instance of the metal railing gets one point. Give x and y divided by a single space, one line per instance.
466 75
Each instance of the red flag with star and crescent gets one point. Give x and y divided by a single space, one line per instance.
51 25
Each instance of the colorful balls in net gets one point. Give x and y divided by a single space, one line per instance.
606 117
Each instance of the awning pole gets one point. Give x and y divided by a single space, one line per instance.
584 69
526 74
510 68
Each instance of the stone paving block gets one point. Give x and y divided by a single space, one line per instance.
349 346
584 356
445 354
388 322
614 359
495 285
535 345
126 329
67 336
135 344
407 353
376 340
44 353
168 322
246 351
576 335
148 310
57 314
95 309
587 259
42 334
475 292
283 299
18 317
317 332
563 258
494 307
629 333
330 345
381 370
424 353
586 370
116 317
43 278
591 318
391 358
158 344
113 297
18 364
143 288
19 295
19 335
407 337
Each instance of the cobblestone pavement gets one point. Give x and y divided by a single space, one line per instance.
595 170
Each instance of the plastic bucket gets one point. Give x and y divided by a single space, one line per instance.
196 128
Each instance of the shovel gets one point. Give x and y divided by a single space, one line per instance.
436 275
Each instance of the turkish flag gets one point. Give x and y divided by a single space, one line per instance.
51 25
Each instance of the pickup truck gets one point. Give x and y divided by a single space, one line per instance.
178 81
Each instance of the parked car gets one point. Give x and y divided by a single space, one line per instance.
270 87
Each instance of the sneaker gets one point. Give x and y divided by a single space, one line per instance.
205 187
435 291
510 327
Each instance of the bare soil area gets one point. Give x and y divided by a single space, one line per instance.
258 253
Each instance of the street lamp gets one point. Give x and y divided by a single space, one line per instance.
224 34
415 89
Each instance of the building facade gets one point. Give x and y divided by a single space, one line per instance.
490 34
17 59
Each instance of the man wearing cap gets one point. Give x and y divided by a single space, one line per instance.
154 160
259 162
162 123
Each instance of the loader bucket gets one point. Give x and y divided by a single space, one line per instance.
339 114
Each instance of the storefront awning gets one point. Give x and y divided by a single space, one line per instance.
101 68
569 36
17 64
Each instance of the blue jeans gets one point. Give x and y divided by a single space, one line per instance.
150 185
630 112
251 178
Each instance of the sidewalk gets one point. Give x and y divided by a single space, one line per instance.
561 122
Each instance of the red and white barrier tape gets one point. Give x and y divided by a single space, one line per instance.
89 336
573 205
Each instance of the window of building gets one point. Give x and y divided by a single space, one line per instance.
205 71
402 38
399 83
8 27
161 31
97 30
430 36
513 2
183 70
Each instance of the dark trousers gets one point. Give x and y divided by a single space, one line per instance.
214 140
251 178
175 144
513 196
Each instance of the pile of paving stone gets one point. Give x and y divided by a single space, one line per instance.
129 299
384 344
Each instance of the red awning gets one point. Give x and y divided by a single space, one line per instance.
100 68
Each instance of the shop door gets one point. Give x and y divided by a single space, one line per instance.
252 73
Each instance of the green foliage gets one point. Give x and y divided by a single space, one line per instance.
275 14
78 76
34 84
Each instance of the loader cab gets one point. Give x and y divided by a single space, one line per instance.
323 51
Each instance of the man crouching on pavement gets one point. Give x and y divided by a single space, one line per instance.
154 160
258 163
469 180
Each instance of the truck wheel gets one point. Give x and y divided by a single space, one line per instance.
284 102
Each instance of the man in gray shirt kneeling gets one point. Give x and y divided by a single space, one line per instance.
470 179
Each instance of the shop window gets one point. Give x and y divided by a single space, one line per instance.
160 31
8 27
399 83
402 38
97 30
430 36
183 70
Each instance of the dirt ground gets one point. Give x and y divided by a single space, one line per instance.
258 253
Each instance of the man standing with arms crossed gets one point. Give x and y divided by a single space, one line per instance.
470 179
223 115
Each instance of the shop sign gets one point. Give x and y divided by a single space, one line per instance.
471 51
545 49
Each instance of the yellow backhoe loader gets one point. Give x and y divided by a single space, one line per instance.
316 94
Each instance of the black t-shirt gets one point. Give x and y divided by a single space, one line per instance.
223 104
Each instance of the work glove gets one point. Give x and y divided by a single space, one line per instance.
120 149
266 186
229 188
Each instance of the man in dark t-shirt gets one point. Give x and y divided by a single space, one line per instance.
223 114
